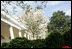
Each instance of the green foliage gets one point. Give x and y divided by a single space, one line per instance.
4 45
39 43
39 7
54 40
24 43
59 21
67 37
19 43
59 24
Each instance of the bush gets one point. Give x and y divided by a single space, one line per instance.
67 37
54 40
19 43
4 45
25 43
39 43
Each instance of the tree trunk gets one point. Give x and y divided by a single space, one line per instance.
37 37
33 35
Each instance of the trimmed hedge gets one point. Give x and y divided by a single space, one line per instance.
25 43
54 40
19 43
39 43
4 45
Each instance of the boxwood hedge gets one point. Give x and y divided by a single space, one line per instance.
54 40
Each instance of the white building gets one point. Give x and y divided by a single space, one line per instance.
10 28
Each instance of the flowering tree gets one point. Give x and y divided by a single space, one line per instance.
33 21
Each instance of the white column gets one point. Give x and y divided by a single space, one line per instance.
20 34
24 34
28 36
11 32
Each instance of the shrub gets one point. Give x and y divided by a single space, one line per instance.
54 40
25 43
19 43
39 43
4 45
67 37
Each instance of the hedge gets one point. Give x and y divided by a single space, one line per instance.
4 45
19 43
54 40
39 43
25 43
67 37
